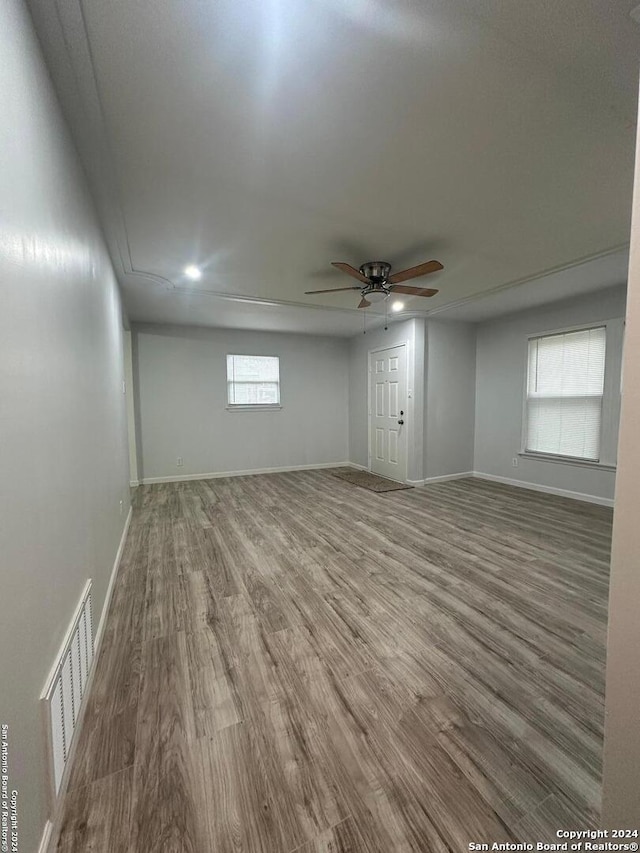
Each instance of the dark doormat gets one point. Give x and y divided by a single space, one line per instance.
368 481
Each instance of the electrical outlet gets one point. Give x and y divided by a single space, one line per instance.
180 462
514 461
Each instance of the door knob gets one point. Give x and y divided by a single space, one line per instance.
400 421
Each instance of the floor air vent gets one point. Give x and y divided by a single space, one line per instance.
65 688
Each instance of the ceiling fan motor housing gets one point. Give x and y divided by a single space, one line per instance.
376 271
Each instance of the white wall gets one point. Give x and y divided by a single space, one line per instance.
63 446
621 771
500 386
450 399
413 333
180 375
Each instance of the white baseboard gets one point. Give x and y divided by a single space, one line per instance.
444 477
441 479
214 476
112 580
46 837
565 493
550 490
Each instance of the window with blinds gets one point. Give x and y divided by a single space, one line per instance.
565 386
253 380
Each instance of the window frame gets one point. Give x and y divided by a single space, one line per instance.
252 407
611 396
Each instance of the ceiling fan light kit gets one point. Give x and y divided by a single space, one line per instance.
377 282
375 293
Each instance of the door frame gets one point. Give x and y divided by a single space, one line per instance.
407 349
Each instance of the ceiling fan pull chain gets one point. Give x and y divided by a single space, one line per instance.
386 314
364 322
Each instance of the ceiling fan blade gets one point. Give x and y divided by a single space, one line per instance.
414 272
331 290
414 291
364 303
352 271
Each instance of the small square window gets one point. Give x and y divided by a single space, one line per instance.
253 381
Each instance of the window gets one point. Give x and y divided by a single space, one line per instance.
565 388
253 381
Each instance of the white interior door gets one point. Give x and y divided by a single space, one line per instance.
388 412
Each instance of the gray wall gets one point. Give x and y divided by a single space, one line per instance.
180 374
450 399
63 445
500 385
413 332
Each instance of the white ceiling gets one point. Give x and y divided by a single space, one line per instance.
602 272
262 139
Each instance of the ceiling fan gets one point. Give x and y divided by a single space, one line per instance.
377 283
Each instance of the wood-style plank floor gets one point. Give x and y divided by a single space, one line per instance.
293 663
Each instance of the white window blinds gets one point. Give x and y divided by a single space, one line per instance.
253 380
565 384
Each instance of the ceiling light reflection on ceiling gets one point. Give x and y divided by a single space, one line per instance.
193 272
397 306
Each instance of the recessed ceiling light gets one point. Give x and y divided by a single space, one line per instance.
397 306
193 272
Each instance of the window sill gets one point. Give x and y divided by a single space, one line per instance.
257 407
566 460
